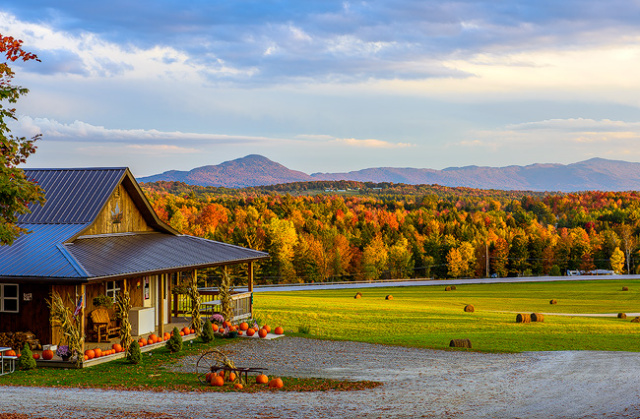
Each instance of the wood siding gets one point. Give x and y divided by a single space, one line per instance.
32 316
130 220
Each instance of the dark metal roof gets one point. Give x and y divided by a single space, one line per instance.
40 254
73 195
130 254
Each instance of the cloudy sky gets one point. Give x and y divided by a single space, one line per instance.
326 85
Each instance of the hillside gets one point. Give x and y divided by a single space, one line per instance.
255 170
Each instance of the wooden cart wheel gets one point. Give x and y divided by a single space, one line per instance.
208 362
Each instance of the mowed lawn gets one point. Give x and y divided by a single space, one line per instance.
430 317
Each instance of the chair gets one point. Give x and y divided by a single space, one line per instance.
102 324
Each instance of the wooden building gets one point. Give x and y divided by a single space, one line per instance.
98 234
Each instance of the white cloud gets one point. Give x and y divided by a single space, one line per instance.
370 143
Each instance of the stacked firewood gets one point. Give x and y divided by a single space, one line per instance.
16 340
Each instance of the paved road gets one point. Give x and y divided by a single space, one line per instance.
436 282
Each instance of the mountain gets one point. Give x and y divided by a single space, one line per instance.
593 174
251 170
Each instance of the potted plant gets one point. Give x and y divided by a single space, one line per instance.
64 352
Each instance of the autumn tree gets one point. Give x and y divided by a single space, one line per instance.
617 260
16 191
374 258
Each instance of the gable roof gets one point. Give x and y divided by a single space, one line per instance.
76 196
56 251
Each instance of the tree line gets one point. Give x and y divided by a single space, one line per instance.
389 231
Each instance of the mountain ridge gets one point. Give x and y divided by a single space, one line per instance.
256 170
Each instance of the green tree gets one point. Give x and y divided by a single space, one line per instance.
16 191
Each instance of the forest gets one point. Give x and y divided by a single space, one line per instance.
345 231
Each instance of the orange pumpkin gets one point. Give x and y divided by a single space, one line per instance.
238 386
144 342
232 329
209 376
90 353
262 333
117 347
86 358
192 331
244 326
217 381
36 356
11 353
227 324
251 332
267 328
98 352
221 373
185 330
47 354
278 330
232 376
262 379
239 332
276 383
181 333
152 337
167 336
215 327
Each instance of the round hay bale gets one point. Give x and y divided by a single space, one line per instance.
636 320
469 308
358 295
537 317
389 297
453 288
622 315
625 288
553 302
447 288
460 343
523 318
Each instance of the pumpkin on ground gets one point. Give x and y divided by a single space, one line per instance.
192 331
36 356
262 379
244 326
117 347
89 353
215 327
251 332
267 328
217 381
47 354
278 330
262 333
232 376
276 383
238 386
86 358
98 352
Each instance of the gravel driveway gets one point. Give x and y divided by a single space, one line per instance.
417 383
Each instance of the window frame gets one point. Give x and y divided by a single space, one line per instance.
4 298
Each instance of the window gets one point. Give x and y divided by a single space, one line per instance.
113 288
9 298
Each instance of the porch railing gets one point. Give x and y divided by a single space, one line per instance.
210 304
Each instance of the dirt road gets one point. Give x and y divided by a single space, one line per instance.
418 383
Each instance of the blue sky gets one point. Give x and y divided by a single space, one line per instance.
328 86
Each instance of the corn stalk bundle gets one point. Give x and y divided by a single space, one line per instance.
194 296
123 305
224 293
62 317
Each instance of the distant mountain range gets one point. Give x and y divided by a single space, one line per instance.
256 170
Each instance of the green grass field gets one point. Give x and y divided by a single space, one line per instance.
430 317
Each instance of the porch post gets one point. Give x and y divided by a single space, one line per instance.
250 285
83 295
161 297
